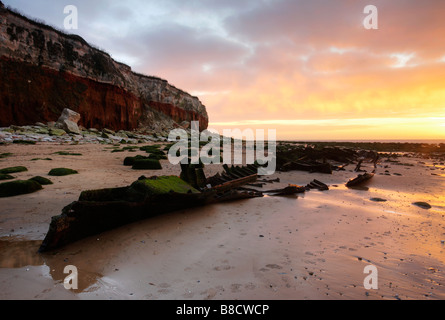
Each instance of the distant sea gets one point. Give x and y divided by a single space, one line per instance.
428 141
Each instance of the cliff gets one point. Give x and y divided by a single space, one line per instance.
44 70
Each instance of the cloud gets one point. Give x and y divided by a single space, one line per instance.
277 59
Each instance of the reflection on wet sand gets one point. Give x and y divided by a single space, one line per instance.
16 254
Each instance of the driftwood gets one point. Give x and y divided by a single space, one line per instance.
360 179
316 184
307 166
291 189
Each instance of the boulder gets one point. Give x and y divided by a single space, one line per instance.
68 121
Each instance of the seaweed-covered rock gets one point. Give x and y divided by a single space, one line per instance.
19 187
57 132
129 161
147 164
23 142
41 180
59 172
5 177
13 170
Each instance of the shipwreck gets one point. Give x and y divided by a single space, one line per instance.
97 211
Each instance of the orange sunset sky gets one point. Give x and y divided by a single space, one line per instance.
308 69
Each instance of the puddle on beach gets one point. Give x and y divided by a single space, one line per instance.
16 254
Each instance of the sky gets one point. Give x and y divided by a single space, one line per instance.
308 69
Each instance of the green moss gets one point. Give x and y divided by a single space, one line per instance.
41 180
57 132
23 142
59 172
111 194
46 159
14 188
129 161
5 155
162 185
157 156
5 177
65 153
149 164
13 170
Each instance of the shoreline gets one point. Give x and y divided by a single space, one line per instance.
312 246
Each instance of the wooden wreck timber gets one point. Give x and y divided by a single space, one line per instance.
97 211
360 179
308 166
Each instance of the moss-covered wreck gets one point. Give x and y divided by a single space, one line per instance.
97 211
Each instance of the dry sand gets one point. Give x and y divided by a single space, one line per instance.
314 246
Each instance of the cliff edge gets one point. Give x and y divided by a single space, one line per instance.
44 70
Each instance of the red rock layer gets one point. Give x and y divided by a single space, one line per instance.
30 93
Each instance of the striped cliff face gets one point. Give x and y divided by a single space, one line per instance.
44 70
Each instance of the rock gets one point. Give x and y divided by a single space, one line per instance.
19 187
147 164
41 180
5 177
13 170
108 131
39 124
68 121
59 172
423 205
70 115
70 127
185 124
378 200
57 132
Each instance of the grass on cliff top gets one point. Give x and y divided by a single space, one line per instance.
163 185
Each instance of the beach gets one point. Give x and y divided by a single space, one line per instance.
314 245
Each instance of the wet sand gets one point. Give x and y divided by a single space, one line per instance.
312 246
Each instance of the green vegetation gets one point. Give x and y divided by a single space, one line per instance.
41 180
66 153
5 155
162 185
59 172
23 142
129 161
19 187
148 164
5 177
13 170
